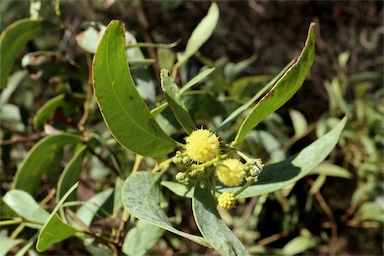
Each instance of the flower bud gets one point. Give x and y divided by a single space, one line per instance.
227 201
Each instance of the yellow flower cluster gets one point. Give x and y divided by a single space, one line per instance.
230 172
202 146
227 201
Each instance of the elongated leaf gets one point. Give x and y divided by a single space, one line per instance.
176 103
14 38
64 101
55 230
284 88
7 244
71 174
141 198
38 159
25 206
249 103
279 175
123 110
13 82
141 238
212 226
196 79
91 207
202 32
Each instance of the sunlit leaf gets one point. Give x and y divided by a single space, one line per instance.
284 88
202 32
176 103
123 110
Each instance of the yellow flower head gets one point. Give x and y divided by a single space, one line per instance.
230 172
227 201
202 146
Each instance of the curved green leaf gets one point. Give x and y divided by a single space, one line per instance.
284 88
202 31
176 103
64 101
38 159
14 38
123 110
55 230
7 244
71 174
212 226
279 175
141 195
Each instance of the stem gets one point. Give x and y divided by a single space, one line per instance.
243 188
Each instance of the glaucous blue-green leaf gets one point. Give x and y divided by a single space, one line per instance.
202 32
71 174
298 245
26 207
54 229
141 238
14 38
279 175
284 88
92 206
141 197
299 122
123 110
212 227
333 170
172 95
8 243
38 159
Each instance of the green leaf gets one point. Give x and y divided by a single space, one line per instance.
55 230
212 226
202 32
123 110
7 244
279 175
249 103
71 174
298 245
284 88
174 100
329 169
141 196
38 159
13 82
26 207
63 101
178 188
196 79
141 238
93 206
299 122
14 38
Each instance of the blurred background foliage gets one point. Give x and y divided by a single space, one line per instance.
339 208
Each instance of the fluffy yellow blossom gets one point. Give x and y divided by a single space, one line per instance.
230 172
202 146
227 201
